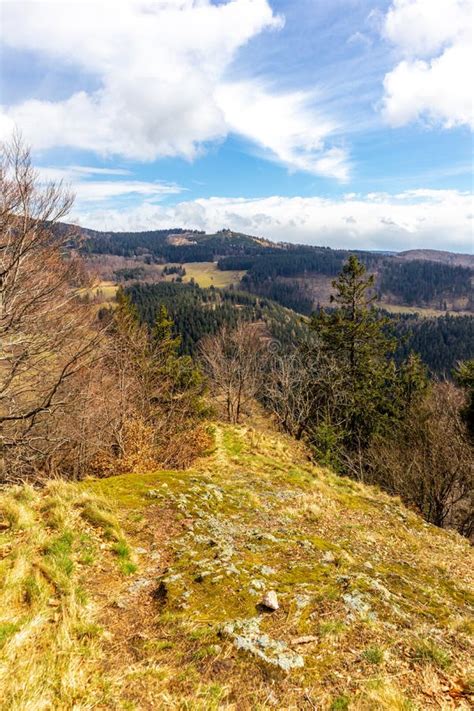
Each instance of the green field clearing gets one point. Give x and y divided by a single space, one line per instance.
103 292
207 274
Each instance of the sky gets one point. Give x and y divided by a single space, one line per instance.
345 123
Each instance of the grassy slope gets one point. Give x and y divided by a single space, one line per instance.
374 603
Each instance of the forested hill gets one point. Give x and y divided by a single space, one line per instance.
441 342
199 312
173 245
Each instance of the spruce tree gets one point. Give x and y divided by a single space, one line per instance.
182 378
355 334
354 330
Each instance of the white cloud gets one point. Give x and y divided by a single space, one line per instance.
418 218
76 172
161 67
77 179
433 79
284 125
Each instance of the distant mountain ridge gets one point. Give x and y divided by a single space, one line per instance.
182 236
297 276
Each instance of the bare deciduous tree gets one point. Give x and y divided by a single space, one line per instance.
430 462
46 331
235 360
303 388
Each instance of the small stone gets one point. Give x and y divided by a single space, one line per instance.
329 557
270 600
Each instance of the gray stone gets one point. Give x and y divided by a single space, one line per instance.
270 600
257 584
356 603
247 637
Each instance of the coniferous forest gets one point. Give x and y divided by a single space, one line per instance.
440 342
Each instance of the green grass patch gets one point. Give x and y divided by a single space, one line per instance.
232 443
59 553
7 630
373 655
332 628
31 589
430 653
86 630
123 552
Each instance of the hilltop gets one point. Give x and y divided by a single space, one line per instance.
142 591
437 255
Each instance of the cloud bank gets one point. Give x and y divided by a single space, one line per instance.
433 79
161 71
80 180
417 218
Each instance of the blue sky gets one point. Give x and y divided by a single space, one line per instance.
338 122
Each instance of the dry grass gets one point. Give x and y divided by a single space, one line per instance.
50 643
